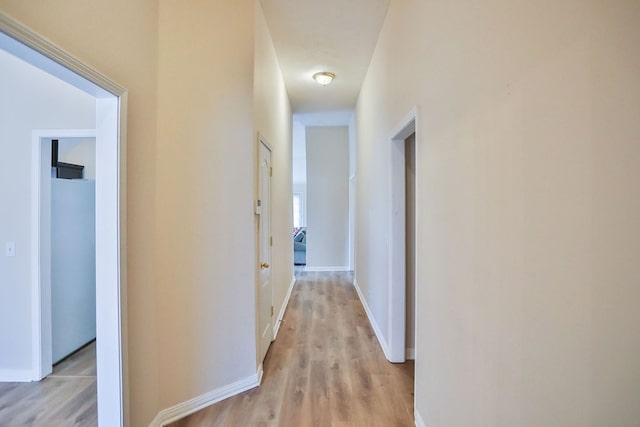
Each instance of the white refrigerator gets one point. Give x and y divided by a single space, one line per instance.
73 265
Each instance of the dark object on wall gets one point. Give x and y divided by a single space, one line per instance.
54 153
69 171
64 170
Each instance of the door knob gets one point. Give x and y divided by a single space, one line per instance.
264 265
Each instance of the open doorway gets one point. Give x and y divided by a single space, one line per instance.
403 167
67 249
73 246
110 105
323 192
299 185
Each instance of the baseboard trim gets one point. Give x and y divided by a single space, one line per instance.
260 373
419 420
410 354
181 410
335 268
372 320
285 303
16 375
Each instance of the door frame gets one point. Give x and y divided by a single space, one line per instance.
111 113
261 141
397 235
41 253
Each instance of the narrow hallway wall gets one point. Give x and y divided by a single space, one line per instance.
528 215
205 181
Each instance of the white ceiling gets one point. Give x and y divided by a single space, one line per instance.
329 35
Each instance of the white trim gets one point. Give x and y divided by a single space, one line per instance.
41 364
372 320
416 265
110 297
303 214
410 354
53 59
263 140
318 269
260 373
397 254
111 111
285 303
181 410
16 375
406 127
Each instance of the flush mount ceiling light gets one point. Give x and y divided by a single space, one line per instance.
324 77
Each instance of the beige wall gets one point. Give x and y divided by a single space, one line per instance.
205 255
213 100
119 38
327 149
273 120
527 172
80 151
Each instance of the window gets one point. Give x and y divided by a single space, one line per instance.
298 210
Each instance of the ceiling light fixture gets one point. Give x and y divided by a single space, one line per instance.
324 77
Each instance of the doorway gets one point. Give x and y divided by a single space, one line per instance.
65 248
403 167
410 250
110 101
73 250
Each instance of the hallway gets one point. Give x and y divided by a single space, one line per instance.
324 369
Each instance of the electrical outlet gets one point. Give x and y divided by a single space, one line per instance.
10 249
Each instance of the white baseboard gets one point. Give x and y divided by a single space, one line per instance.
372 320
419 420
16 375
283 308
410 354
260 373
181 410
339 268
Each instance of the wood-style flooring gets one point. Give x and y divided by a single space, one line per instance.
65 398
325 369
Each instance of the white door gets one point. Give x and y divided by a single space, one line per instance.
264 256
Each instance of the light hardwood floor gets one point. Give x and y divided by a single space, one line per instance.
325 369
65 398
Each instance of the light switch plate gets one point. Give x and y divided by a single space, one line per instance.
10 249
